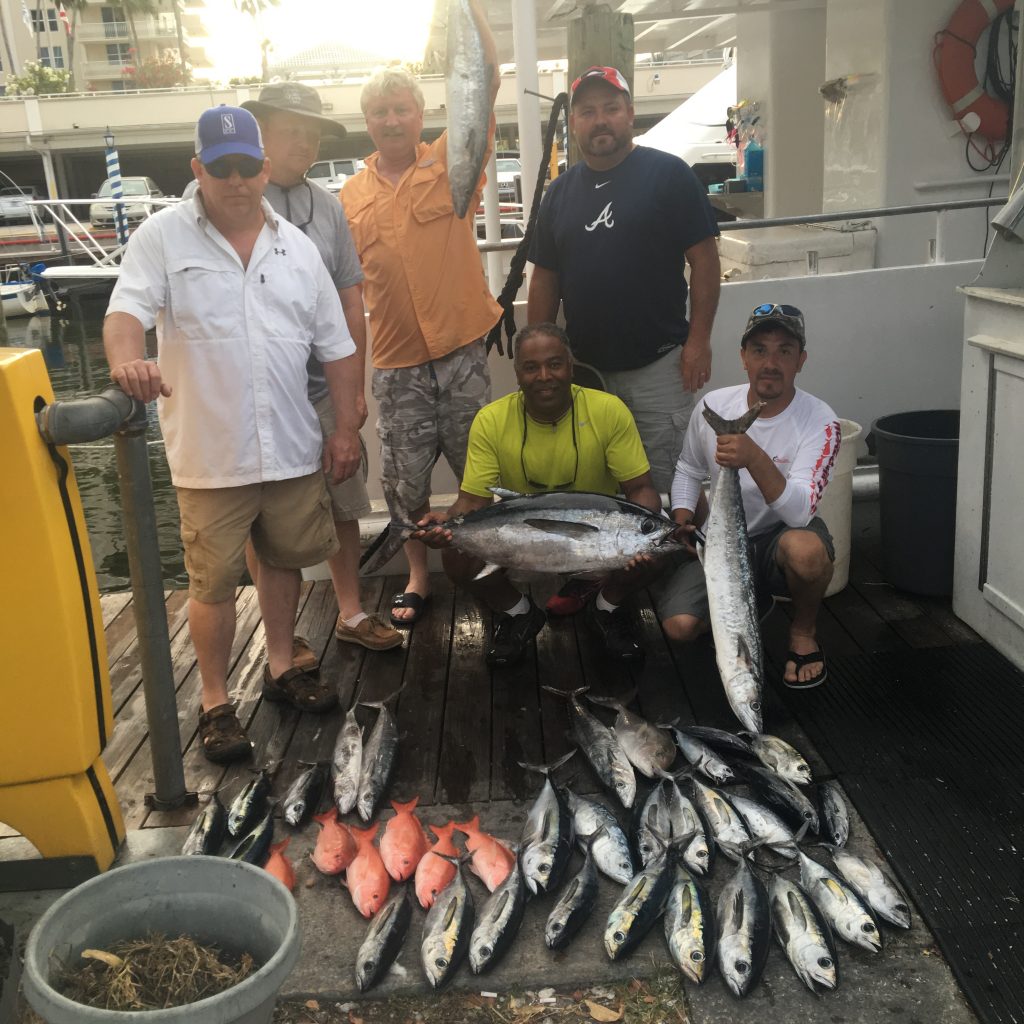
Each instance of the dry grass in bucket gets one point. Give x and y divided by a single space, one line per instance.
154 973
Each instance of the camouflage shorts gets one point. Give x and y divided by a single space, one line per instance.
426 411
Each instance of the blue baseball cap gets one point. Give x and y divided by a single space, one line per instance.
226 131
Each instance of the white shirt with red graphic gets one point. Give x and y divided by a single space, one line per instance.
802 440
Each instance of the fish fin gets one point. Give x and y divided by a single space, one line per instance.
331 814
504 493
443 831
281 846
488 570
737 426
743 654
402 808
364 833
560 528
797 910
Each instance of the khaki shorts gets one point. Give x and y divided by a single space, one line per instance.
682 590
289 522
426 411
349 499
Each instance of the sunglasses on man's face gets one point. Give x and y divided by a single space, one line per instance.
225 166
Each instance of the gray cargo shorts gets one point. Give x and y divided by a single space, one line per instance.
660 406
349 499
426 411
682 590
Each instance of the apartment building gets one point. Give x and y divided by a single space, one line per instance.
102 44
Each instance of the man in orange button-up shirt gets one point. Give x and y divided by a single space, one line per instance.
428 300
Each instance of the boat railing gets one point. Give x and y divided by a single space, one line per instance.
80 238
937 248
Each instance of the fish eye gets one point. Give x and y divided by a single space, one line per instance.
805 769
441 962
556 926
544 867
902 908
368 965
647 526
825 962
867 926
697 956
485 951
755 705
742 966
702 854
619 937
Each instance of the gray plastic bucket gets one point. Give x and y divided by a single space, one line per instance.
917 466
235 906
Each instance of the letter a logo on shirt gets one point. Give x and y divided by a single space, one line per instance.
605 218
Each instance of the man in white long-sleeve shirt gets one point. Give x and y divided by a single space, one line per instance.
787 454
240 299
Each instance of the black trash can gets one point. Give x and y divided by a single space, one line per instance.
917 459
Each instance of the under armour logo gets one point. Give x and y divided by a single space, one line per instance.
227 124
605 218
280 252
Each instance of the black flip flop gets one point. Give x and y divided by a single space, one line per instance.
814 658
407 599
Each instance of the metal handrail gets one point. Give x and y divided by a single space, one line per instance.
885 211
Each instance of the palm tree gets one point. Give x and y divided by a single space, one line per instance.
182 50
255 9
132 8
74 6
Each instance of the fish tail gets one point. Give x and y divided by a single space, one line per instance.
379 704
281 846
404 808
443 831
329 815
738 426
567 694
547 769
468 827
368 834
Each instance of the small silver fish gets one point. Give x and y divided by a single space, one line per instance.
447 929
744 929
547 833
840 904
834 815
378 759
764 824
640 905
610 848
725 822
346 762
649 748
601 748
781 758
804 935
498 922
702 757
883 895
304 794
208 830
576 903
690 928
250 805
383 940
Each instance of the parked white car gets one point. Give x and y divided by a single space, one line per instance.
333 174
102 214
14 208
509 168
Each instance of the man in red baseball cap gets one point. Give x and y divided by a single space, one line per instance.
613 239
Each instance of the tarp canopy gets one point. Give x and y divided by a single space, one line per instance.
697 121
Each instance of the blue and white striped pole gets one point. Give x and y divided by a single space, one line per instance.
116 189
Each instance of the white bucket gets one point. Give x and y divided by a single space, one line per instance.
836 506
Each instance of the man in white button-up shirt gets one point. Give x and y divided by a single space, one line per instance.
240 299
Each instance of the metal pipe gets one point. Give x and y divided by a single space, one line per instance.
89 419
141 540
84 419
888 211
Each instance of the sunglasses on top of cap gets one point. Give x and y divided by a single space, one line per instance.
779 310
225 166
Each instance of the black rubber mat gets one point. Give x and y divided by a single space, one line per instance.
929 745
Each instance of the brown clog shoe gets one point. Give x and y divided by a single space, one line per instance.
302 690
222 736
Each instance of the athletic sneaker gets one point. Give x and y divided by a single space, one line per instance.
512 633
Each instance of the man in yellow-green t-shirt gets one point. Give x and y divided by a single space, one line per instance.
550 435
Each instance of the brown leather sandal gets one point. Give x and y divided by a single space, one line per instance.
300 689
303 655
223 738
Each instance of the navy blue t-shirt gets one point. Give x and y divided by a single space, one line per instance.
617 241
